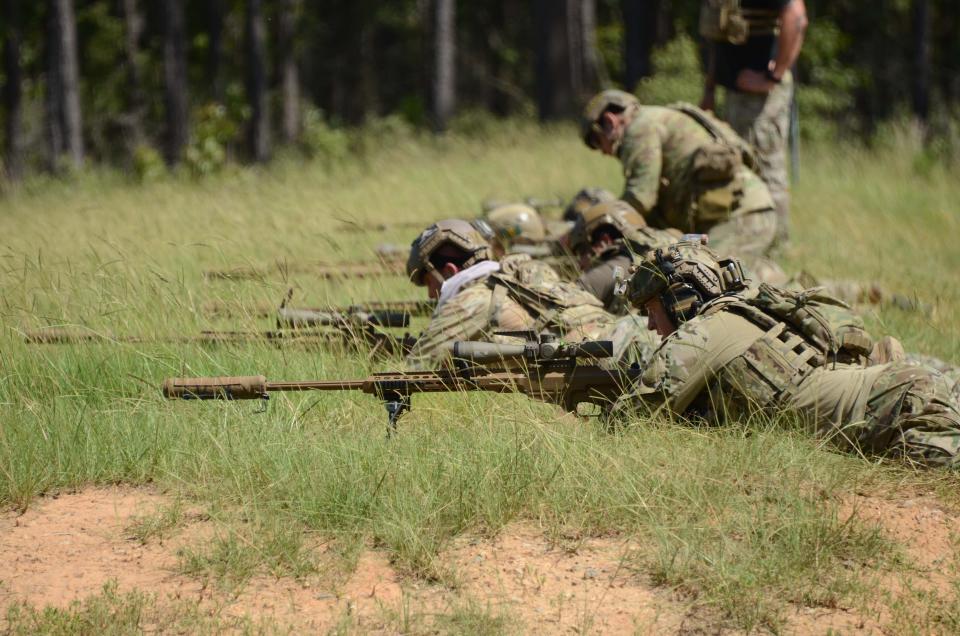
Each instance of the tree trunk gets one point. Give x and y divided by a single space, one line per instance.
214 64
594 74
290 15
133 118
367 94
53 103
259 132
12 91
175 80
921 60
553 65
640 21
64 27
444 69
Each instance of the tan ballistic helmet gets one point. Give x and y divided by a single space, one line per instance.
685 276
517 223
463 235
618 214
611 98
584 200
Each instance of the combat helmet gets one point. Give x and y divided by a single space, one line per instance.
617 214
610 99
685 276
517 223
584 200
466 237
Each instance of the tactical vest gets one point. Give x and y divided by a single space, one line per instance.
802 331
727 21
557 306
645 239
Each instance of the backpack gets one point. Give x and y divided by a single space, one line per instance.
726 21
722 158
822 320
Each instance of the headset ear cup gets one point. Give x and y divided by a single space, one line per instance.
685 303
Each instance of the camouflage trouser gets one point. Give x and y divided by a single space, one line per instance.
911 412
764 121
747 236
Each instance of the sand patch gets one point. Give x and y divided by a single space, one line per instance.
65 548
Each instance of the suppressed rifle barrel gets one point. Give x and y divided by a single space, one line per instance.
67 336
384 267
298 318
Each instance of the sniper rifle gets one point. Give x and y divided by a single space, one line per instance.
414 308
358 328
547 370
323 270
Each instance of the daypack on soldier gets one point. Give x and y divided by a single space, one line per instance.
720 160
826 322
728 21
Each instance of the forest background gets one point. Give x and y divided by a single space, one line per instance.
145 86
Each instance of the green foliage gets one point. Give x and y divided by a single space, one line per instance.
321 141
677 74
826 94
610 46
213 132
148 165
379 132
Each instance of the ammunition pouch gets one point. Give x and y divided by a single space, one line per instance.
727 21
770 369
556 305
714 163
717 184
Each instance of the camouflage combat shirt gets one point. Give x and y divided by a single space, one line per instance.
656 151
721 366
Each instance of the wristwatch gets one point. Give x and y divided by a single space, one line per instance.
773 78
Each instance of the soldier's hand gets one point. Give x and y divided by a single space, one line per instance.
750 81
709 100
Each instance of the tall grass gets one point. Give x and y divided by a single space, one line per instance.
745 517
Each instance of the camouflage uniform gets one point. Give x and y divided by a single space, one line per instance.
524 295
738 351
599 278
657 151
722 366
764 121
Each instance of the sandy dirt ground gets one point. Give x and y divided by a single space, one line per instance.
66 548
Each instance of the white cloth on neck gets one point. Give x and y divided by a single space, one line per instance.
452 285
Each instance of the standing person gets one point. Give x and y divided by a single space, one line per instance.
753 44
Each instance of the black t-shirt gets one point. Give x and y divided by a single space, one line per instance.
754 54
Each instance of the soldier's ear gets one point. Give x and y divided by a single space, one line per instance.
449 269
608 122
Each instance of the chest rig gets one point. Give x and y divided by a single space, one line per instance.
557 306
802 331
